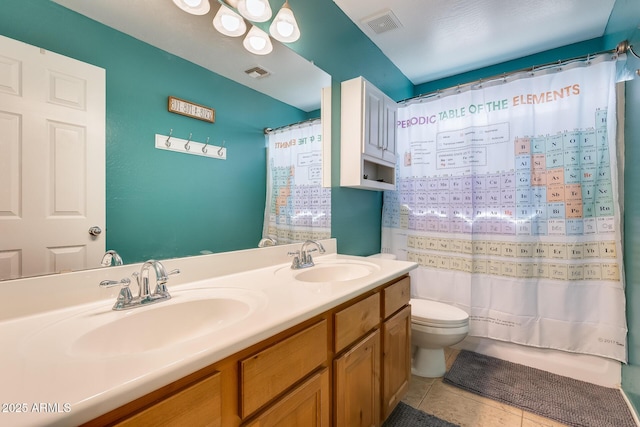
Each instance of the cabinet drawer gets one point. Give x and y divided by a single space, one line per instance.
396 296
271 371
196 405
356 320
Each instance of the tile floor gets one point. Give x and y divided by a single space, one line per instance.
466 409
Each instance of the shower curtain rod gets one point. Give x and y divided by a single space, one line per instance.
621 48
267 131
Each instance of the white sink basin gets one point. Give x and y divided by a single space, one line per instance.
332 271
189 314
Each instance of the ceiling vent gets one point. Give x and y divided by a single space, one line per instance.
257 72
382 22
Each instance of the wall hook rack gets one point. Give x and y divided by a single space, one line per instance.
189 146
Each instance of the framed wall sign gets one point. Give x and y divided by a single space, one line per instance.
190 109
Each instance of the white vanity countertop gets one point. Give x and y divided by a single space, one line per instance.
49 385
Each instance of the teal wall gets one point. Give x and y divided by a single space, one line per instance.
631 371
565 52
162 204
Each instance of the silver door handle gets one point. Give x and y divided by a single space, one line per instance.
95 230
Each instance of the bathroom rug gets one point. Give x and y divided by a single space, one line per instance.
406 416
569 401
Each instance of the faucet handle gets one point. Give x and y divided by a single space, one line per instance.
296 259
124 297
161 286
111 283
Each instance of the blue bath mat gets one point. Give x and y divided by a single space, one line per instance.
569 401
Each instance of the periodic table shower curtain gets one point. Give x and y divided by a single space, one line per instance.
507 197
297 207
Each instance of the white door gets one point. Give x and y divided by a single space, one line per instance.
52 161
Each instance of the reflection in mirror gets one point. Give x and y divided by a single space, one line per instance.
298 207
111 258
158 204
267 241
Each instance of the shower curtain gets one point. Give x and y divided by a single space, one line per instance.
507 198
297 207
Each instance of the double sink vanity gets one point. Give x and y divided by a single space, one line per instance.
243 339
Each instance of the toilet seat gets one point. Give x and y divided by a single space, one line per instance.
436 314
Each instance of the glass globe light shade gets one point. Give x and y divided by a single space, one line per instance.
194 7
284 27
257 42
255 10
229 23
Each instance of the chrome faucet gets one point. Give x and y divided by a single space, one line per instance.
126 301
302 258
110 258
267 241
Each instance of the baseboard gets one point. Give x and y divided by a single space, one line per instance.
631 408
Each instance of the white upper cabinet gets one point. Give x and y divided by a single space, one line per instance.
379 124
368 136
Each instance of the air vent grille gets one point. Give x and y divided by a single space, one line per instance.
257 72
383 22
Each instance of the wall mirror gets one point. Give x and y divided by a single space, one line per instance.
293 80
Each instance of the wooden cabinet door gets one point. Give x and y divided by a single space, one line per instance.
396 359
308 405
357 384
196 405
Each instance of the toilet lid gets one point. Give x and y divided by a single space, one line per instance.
433 313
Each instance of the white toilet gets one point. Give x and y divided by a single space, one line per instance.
434 326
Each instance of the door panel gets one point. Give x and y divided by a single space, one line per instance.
52 161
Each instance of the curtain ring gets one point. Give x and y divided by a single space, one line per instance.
204 149
186 146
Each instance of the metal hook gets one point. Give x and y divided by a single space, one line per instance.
168 142
204 149
186 146
220 149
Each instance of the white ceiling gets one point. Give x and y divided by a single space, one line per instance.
434 39
439 38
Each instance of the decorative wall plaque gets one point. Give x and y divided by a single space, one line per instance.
190 109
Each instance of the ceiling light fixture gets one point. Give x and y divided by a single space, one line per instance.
255 10
194 7
284 27
229 23
257 41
